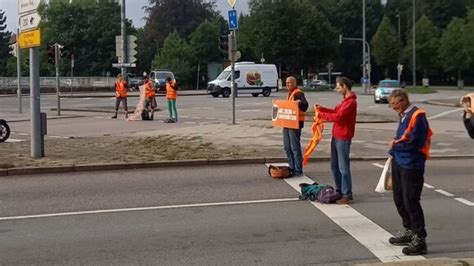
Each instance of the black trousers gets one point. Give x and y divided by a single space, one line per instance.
118 100
407 187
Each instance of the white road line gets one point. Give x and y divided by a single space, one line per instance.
444 192
373 106
465 201
368 233
445 113
14 140
378 165
23 134
428 185
358 226
210 204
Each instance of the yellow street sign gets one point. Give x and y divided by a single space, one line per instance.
231 3
30 39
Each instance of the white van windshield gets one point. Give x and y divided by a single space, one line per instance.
224 75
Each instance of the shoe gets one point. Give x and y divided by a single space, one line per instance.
344 200
298 175
402 238
114 116
417 246
126 115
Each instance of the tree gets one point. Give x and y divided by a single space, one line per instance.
4 46
87 29
427 43
451 50
440 12
468 38
385 45
167 16
175 56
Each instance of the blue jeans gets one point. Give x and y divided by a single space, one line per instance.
172 109
292 147
341 166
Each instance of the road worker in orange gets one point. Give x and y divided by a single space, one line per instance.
150 101
171 89
120 95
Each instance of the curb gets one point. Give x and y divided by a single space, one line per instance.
10 172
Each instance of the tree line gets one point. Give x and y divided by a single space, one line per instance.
299 36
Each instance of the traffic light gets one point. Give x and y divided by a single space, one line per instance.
224 44
51 54
64 52
340 38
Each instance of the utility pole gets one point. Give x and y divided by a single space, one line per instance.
364 73
18 70
414 47
232 48
124 38
57 50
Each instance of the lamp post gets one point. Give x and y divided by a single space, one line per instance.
399 34
414 47
364 60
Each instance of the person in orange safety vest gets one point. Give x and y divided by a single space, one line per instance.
171 89
120 95
410 149
150 101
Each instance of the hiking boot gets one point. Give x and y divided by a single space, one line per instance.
417 246
402 238
344 200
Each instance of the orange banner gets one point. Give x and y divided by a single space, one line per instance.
285 114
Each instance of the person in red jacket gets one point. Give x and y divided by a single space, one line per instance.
344 118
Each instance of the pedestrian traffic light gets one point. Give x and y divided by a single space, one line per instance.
340 38
224 44
51 54
64 51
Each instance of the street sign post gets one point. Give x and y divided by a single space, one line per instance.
29 21
120 65
231 3
233 22
25 6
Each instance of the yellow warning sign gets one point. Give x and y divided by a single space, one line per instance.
30 39
231 3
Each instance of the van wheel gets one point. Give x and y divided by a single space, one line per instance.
266 92
215 95
226 92
255 94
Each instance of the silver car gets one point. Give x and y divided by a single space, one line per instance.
384 89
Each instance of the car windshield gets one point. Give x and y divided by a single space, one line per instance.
224 75
389 84
164 75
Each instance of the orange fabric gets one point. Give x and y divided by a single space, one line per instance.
149 89
170 91
291 97
317 128
284 114
426 148
121 88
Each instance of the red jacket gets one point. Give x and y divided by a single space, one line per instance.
343 116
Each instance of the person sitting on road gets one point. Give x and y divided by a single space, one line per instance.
468 117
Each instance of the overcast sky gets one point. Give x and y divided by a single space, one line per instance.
133 11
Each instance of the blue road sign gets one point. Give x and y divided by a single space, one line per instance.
233 22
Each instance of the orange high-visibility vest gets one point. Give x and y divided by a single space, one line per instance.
291 97
121 88
426 148
170 91
149 89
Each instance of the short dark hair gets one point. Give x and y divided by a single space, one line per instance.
399 94
168 79
346 81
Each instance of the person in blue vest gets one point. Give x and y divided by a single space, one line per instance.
410 150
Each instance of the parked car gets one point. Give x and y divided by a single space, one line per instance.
384 89
159 77
133 81
316 83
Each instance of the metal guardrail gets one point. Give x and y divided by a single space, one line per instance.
48 82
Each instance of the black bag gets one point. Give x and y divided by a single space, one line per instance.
145 115
469 123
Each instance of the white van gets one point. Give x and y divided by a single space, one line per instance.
250 78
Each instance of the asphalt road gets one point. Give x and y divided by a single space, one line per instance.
167 227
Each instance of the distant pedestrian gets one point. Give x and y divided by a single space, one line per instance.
171 94
344 118
292 137
120 95
410 150
150 101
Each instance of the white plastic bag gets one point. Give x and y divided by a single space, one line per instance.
385 181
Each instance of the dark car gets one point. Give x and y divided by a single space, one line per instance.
133 81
